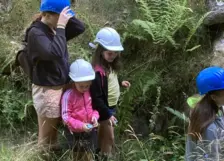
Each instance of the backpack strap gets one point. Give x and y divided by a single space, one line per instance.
22 58
101 71
25 39
23 47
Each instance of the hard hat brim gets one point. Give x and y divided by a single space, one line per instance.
114 48
111 48
72 13
82 79
210 90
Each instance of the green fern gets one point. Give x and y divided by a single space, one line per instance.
13 110
155 112
160 20
144 8
194 28
178 114
138 90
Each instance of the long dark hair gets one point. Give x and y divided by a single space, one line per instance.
202 115
99 60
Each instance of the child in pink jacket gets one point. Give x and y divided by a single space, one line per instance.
77 111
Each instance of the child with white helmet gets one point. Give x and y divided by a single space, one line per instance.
206 128
105 89
77 111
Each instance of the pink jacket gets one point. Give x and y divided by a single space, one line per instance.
77 109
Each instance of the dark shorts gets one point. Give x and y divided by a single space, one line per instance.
81 142
113 110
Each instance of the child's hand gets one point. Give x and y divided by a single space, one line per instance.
94 121
126 84
85 128
113 121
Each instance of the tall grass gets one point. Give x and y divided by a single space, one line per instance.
133 148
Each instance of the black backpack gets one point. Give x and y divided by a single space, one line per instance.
22 57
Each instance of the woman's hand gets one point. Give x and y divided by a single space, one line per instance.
64 17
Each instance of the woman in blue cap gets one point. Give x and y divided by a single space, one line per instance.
206 128
47 48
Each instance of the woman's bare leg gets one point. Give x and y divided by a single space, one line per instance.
47 135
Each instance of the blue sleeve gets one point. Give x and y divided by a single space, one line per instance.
212 142
190 150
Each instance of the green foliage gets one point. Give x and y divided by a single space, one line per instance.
154 148
159 20
5 153
155 111
13 103
13 98
136 93
28 152
178 114
19 17
193 26
108 10
7 56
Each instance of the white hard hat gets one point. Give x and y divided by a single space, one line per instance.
109 39
81 71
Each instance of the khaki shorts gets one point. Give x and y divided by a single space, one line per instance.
46 100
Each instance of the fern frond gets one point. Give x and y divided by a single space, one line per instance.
144 9
194 29
146 26
139 88
160 21
178 114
